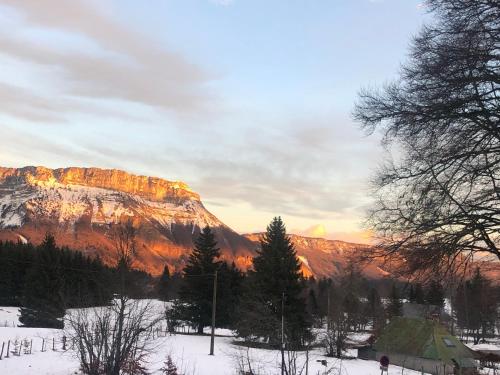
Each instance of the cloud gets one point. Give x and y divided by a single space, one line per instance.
38 108
318 230
122 65
308 166
20 102
281 171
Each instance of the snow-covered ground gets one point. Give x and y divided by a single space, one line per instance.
9 316
493 347
189 352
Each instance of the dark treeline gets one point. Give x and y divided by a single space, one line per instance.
254 303
476 304
251 303
194 287
46 280
77 280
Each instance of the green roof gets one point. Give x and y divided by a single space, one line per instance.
425 339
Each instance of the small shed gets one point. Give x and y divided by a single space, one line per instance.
423 345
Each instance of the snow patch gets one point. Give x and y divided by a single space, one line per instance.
23 239
304 260
69 203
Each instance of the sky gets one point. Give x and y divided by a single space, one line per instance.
247 101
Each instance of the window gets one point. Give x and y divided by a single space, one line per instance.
448 342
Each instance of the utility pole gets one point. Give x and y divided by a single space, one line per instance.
214 305
283 334
328 324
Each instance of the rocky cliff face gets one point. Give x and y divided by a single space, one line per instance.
150 188
80 205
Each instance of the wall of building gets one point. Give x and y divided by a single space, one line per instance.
428 366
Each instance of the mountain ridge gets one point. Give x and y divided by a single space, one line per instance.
81 205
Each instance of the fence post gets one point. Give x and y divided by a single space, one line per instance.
8 348
1 354
53 344
43 345
31 345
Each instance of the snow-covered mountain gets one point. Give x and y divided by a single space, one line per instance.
79 205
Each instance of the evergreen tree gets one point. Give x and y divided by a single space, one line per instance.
416 294
435 294
229 287
43 304
86 282
275 281
375 310
163 286
476 303
411 294
15 258
197 288
353 288
395 307
312 303
419 294
169 368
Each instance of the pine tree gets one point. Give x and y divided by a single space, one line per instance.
229 286
353 287
435 294
419 294
416 294
276 274
197 288
395 307
375 310
312 303
43 304
163 286
476 303
169 368
411 294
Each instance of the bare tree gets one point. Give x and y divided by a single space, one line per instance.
124 238
114 339
335 337
245 363
438 198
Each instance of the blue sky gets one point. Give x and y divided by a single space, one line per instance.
247 101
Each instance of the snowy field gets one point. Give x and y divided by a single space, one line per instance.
189 352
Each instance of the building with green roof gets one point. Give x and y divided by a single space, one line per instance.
423 345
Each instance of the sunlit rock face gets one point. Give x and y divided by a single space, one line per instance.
150 188
80 205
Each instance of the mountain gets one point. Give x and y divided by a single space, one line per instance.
80 205
329 258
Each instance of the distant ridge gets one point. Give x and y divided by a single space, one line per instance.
79 205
